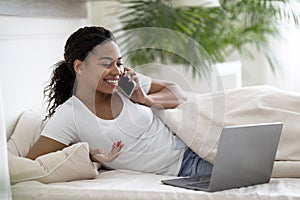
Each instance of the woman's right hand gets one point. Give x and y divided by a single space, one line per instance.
97 154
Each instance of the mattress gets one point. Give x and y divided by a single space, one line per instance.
123 184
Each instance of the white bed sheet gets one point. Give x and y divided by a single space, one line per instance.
120 184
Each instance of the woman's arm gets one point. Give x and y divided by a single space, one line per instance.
43 146
162 94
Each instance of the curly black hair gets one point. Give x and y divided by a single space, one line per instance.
78 46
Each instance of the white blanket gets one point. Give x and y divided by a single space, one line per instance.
119 184
199 121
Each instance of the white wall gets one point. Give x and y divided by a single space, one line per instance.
28 49
288 54
104 13
286 75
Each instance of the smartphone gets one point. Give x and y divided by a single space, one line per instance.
126 86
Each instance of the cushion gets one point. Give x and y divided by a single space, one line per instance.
71 163
26 132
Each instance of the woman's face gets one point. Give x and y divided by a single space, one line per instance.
102 68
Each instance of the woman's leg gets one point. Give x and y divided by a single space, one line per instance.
193 165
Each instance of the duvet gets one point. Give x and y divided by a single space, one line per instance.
200 120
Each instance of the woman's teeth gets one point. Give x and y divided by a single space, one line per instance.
112 81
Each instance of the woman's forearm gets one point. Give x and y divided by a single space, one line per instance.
168 97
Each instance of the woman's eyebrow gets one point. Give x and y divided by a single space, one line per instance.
109 58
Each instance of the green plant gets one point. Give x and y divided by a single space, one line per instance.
219 30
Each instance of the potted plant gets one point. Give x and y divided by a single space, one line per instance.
219 31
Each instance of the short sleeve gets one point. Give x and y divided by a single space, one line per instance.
145 82
61 126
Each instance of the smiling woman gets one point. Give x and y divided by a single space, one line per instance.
85 104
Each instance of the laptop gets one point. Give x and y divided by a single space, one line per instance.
245 157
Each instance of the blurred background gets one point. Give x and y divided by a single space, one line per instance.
247 43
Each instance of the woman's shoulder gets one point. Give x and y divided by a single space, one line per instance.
71 108
67 105
67 108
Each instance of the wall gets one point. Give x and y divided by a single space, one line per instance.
257 71
288 54
104 13
44 8
29 46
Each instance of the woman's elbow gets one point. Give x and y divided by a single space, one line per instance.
44 146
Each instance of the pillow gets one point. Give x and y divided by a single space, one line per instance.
71 163
26 132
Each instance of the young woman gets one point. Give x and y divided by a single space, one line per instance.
85 105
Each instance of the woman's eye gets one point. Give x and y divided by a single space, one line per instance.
105 65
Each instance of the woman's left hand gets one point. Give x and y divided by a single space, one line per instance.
97 154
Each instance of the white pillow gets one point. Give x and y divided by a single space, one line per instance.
72 163
26 132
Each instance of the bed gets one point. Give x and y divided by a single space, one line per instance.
118 184
69 174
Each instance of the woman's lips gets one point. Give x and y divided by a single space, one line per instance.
112 82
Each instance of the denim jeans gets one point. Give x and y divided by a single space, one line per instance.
193 165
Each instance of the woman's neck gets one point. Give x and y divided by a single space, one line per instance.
91 101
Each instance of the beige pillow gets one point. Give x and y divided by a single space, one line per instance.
71 163
26 132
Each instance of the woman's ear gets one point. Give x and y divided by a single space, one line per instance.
77 65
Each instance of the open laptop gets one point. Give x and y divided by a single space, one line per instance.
245 157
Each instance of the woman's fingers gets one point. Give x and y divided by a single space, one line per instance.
117 146
98 154
131 73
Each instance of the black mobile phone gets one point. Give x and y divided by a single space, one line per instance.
126 86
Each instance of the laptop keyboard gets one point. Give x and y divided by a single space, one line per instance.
201 178
199 182
199 185
195 182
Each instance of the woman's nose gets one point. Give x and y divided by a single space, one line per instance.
115 69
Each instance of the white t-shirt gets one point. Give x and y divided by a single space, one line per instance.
149 145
